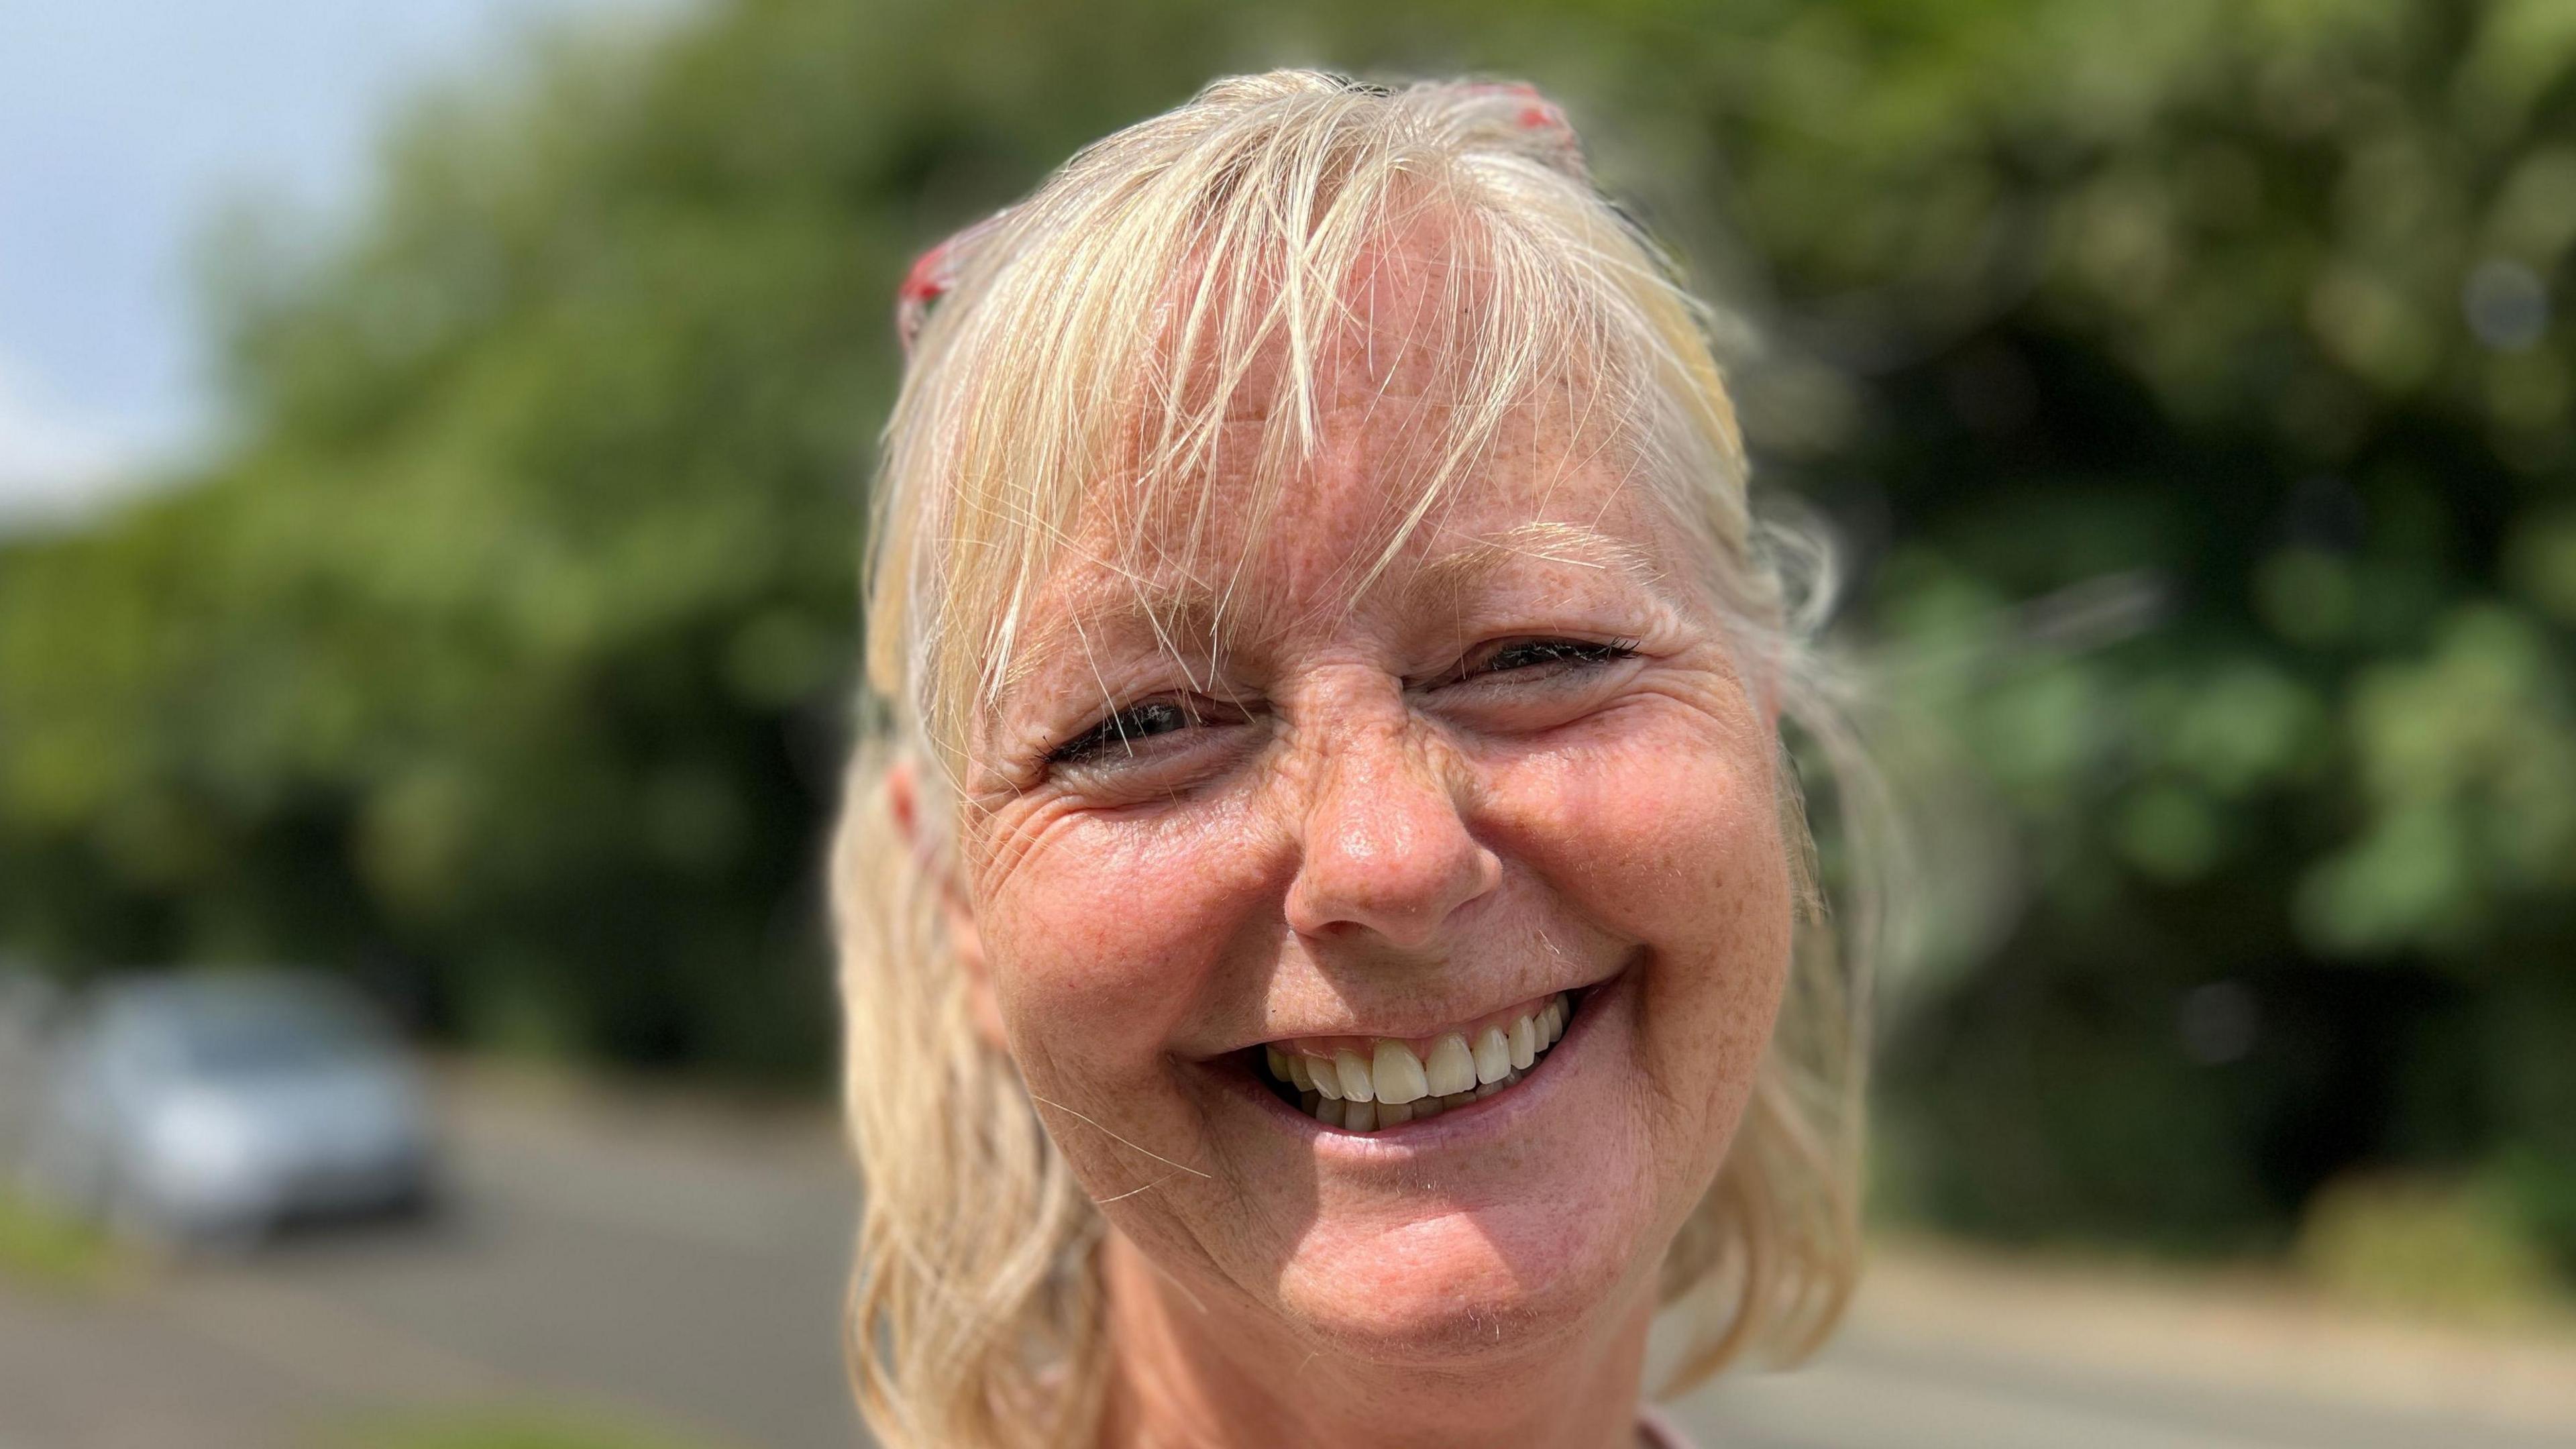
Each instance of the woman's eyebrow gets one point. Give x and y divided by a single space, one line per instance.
1182 619
1454 576
1179 620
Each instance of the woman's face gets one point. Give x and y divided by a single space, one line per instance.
1270 810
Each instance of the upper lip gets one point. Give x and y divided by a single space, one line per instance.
1415 1026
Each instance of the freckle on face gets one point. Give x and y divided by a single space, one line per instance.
1137 914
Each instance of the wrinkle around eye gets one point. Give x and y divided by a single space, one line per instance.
1124 729
1110 838
1162 765
1535 697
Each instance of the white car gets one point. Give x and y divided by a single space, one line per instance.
208 1108
28 1004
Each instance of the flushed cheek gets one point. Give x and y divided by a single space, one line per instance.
1667 835
1670 839
1103 941
1106 930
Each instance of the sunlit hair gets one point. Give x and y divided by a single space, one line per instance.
1171 281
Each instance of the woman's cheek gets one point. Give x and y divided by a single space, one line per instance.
1664 834
1104 929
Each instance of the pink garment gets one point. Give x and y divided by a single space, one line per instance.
1657 1432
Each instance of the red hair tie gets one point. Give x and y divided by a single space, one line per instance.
934 272
1531 111
933 276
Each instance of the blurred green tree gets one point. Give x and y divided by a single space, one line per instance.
503 652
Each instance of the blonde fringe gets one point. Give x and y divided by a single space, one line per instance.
974 1315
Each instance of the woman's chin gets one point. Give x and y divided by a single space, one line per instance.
1527 1220
1462 1287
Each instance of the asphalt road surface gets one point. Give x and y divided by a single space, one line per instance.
680 1266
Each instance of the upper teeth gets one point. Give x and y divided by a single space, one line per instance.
1387 1082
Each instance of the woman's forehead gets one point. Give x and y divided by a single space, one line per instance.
1334 545
1386 426
1431 434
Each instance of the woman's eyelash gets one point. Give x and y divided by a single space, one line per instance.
1160 717
1136 722
1529 653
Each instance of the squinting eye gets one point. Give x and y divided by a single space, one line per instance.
1124 728
1532 653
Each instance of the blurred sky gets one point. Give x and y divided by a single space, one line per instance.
124 124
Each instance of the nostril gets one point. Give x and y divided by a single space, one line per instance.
1386 847
1404 891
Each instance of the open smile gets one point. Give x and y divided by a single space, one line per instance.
1368 1084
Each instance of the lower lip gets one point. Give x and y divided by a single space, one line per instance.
1489 1118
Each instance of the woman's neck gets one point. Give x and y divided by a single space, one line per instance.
1194 1377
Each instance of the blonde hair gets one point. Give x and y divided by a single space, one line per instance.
1102 328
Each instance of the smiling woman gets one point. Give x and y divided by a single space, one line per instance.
1329 938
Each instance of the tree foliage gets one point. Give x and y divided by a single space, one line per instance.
502 654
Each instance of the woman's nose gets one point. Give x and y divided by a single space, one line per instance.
1385 847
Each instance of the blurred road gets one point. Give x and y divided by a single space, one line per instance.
1947 1381
679 1265
672 1265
